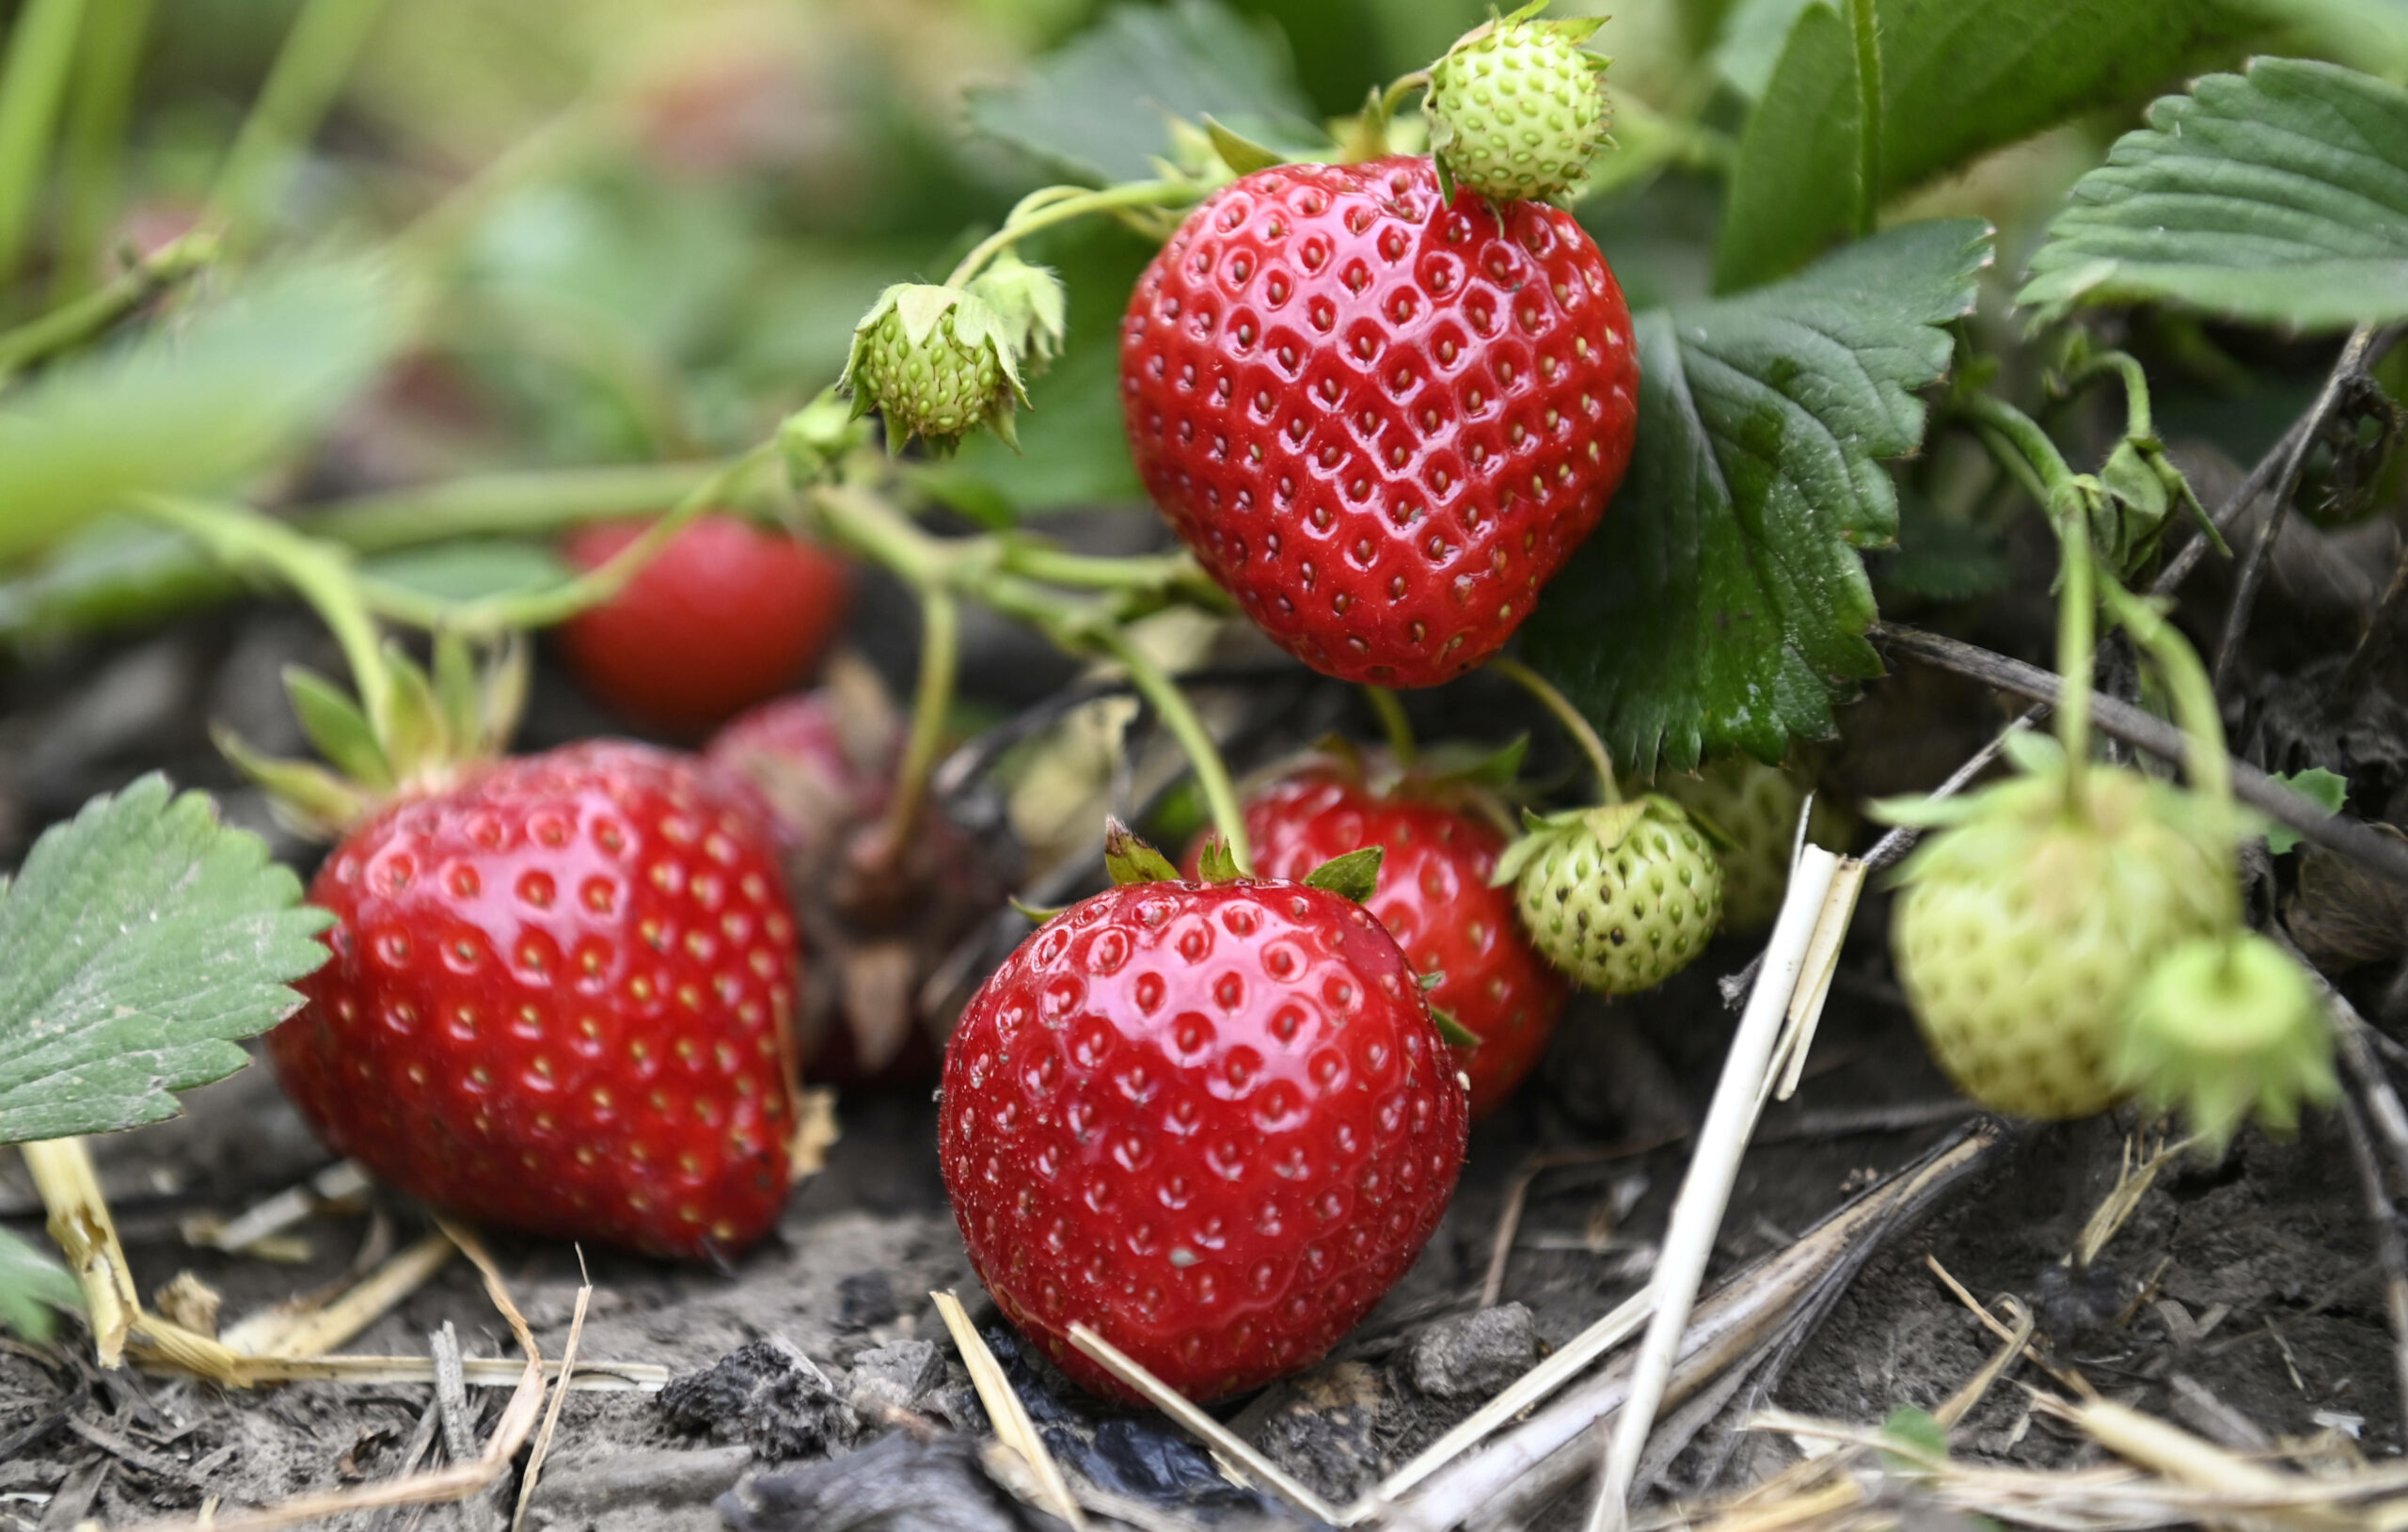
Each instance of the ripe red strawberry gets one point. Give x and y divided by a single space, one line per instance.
1381 420
1434 899
558 1002
1214 1122
727 615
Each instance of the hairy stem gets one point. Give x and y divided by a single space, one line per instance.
1393 724
301 86
1179 717
940 667
1583 733
1026 221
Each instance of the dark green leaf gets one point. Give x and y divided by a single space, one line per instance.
32 1285
1354 876
1098 109
138 942
1956 81
196 407
2279 196
1723 604
2326 788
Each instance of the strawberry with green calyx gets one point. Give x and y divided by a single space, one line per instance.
1621 895
561 988
937 363
1213 1120
2024 925
2227 1026
1517 107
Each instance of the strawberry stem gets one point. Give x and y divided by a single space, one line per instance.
940 666
1179 717
321 572
1575 723
1394 724
1052 205
2205 760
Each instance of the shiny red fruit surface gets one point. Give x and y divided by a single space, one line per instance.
1381 420
727 615
1214 1123
1434 899
560 1003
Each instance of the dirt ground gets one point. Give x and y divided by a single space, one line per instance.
2241 1296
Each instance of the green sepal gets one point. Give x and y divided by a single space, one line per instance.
1454 763
1029 302
1456 1034
1035 914
1431 981
1242 155
2228 1027
1128 860
1355 876
1216 863
457 696
417 741
338 729
501 694
312 800
1607 824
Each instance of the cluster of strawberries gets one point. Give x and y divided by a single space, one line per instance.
1214 1115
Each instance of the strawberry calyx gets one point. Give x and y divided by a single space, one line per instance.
936 363
1606 825
2227 1027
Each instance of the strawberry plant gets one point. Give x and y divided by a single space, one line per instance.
1742 413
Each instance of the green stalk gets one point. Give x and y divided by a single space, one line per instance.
542 608
2077 650
1136 194
1583 733
940 667
505 504
2205 760
301 87
2137 418
94 159
1203 754
319 573
78 321
42 54
1394 725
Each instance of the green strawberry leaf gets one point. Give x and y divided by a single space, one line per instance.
1129 859
2278 197
1355 876
139 941
2329 789
219 397
1723 604
1098 109
1951 82
32 1288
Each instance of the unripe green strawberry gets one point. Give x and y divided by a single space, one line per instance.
1518 106
2024 926
1751 810
1621 897
937 363
2225 1025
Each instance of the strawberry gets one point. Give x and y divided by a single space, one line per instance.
558 1002
726 615
1213 1121
1518 106
1433 896
1751 809
1381 420
2025 925
1621 896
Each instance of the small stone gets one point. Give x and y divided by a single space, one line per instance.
897 1375
1473 1355
864 1299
